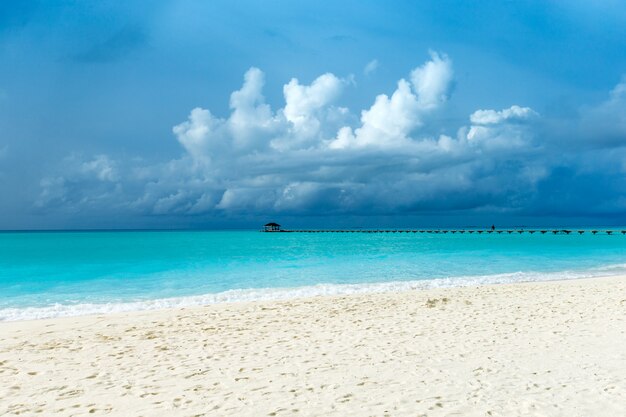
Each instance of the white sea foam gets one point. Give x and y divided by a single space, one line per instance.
263 294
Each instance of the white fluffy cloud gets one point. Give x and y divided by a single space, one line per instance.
510 115
432 81
303 101
307 108
387 123
198 133
253 126
248 127
391 120
251 120
510 128
313 156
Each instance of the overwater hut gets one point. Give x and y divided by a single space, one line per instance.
271 227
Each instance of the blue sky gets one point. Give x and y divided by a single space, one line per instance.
191 114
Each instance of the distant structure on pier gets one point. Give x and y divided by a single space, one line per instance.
271 227
275 227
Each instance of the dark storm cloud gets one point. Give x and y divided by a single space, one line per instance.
307 158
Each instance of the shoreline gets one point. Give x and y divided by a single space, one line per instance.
245 295
551 348
296 299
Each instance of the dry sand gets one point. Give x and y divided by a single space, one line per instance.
534 349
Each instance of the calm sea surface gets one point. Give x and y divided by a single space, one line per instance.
61 274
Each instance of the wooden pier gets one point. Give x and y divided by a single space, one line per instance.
455 231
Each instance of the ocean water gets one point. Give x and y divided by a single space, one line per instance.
53 274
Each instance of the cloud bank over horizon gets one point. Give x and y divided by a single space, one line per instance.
226 114
315 157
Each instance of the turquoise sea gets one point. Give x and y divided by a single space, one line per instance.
51 274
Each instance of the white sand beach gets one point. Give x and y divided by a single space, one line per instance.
530 349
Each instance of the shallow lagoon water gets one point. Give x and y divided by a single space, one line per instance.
51 274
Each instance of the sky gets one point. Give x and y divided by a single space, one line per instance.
193 114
